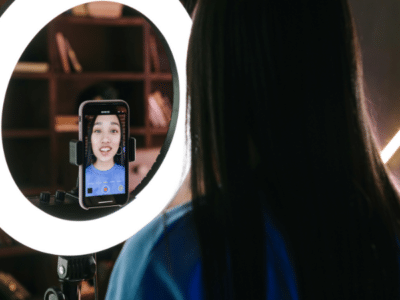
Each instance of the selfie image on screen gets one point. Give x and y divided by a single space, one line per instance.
105 152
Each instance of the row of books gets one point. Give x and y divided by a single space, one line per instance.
67 54
69 58
160 111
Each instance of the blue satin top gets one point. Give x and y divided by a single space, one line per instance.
162 261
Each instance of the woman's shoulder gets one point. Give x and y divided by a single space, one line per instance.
281 278
162 261
172 225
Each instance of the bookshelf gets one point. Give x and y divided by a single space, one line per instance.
115 52
111 51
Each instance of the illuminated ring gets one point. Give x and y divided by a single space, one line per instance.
35 228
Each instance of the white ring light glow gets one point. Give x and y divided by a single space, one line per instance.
38 230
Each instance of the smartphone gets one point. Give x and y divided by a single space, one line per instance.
103 175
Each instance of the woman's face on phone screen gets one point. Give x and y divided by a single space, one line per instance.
106 136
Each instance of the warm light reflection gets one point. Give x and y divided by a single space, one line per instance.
391 148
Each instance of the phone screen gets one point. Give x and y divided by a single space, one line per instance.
104 173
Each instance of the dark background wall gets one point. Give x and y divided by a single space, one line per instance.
378 26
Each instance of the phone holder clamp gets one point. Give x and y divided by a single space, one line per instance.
72 271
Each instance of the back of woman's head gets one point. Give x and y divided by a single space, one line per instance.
277 105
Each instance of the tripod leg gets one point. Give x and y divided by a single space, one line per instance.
72 291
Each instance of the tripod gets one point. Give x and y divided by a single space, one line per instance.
72 271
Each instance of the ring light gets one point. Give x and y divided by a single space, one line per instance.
29 225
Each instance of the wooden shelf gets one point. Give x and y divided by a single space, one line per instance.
159 130
35 191
122 76
26 75
15 250
137 130
26 133
161 76
133 131
123 21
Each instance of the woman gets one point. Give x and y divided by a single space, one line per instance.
103 175
280 136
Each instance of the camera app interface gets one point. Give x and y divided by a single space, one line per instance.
105 149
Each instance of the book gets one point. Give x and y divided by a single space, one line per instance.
66 123
154 53
63 52
72 56
67 54
80 11
105 9
156 115
32 67
164 104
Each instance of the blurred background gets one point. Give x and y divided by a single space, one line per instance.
97 51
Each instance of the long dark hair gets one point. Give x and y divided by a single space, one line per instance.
119 158
277 107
